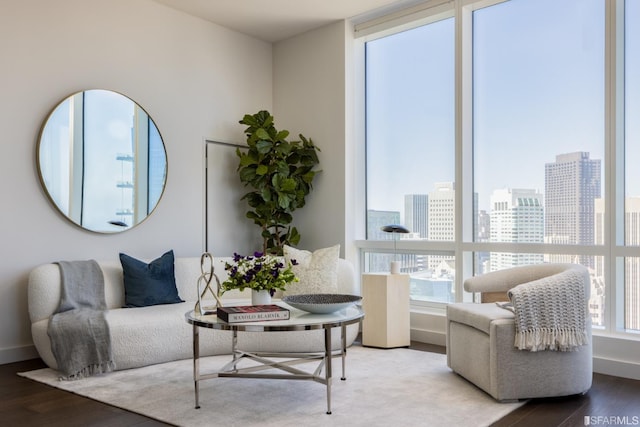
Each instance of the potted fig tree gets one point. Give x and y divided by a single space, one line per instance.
280 174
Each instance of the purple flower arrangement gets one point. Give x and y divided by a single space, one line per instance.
258 272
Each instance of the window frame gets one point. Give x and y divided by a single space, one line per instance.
613 250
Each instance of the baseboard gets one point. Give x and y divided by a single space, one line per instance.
17 354
429 337
616 368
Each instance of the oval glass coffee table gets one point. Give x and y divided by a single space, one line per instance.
299 321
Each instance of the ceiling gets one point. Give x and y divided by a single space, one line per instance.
274 20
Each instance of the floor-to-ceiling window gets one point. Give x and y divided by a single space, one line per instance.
411 151
538 130
493 134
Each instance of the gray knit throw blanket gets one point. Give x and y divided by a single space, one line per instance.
551 313
79 332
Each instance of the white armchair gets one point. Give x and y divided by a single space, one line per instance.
481 337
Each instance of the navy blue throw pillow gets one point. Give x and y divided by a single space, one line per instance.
149 284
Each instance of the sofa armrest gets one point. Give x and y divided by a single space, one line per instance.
44 291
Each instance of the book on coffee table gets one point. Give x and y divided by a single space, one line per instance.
252 313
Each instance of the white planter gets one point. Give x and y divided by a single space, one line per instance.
260 297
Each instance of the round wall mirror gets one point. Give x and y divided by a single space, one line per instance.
102 161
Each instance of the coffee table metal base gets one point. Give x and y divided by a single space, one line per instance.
265 362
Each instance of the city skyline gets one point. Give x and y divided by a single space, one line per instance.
570 211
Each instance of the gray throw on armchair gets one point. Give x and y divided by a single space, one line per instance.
537 343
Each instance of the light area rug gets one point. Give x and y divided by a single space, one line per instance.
397 386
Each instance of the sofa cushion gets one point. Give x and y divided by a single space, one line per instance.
149 284
317 271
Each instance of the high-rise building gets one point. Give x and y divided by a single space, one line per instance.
483 226
441 213
597 297
415 214
572 183
441 219
631 264
516 216
482 234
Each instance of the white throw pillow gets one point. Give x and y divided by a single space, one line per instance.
317 271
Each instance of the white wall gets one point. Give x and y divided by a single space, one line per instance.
194 78
309 98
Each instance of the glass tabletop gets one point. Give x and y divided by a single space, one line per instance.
299 320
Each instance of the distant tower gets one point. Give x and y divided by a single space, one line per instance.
441 214
632 265
517 216
483 226
597 298
441 219
415 214
482 234
572 184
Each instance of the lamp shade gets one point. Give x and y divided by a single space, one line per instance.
394 228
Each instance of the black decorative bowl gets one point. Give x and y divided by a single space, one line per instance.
321 303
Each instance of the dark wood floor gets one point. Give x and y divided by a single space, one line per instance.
609 397
27 403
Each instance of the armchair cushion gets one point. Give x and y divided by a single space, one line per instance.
479 316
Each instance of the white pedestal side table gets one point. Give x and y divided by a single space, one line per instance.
385 301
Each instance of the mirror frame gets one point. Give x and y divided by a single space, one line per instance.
118 226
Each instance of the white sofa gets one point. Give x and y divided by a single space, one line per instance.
157 334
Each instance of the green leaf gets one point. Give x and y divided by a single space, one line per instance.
248 120
262 170
284 200
266 118
283 168
246 160
294 236
288 185
264 146
308 177
247 174
284 148
282 135
262 134
293 158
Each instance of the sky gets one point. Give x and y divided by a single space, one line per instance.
538 91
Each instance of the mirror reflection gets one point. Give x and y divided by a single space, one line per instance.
102 161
